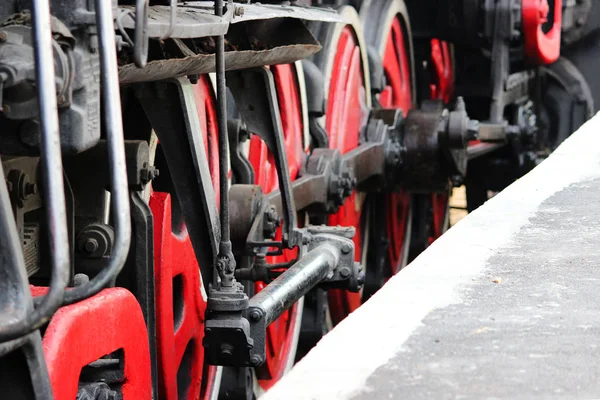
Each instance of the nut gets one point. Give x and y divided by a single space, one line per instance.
255 315
346 248
256 360
345 272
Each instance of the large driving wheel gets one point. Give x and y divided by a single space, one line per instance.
431 212
180 296
387 33
344 66
282 335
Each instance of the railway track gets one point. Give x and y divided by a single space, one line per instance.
196 192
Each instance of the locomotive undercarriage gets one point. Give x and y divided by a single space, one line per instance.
203 184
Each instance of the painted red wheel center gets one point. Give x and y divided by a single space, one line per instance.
345 116
397 94
180 300
281 339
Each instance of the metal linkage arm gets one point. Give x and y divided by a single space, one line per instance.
239 338
171 108
255 96
284 291
392 155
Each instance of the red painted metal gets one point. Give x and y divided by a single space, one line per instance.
207 114
397 94
86 331
541 47
439 209
280 334
180 307
443 85
441 89
346 115
180 297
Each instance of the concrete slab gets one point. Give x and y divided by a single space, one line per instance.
505 305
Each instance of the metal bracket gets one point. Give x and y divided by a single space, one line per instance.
256 99
235 338
171 109
240 166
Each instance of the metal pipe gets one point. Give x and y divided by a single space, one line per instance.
140 50
294 283
222 124
172 19
116 150
226 261
500 59
54 191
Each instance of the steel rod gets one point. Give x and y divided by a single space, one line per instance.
140 50
116 151
225 262
54 191
294 283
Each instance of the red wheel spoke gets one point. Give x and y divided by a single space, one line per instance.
180 304
280 334
73 340
398 94
346 114
396 63
442 89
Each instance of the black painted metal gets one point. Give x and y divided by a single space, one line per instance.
503 30
172 113
25 350
242 170
54 187
23 371
225 261
140 50
266 306
235 333
256 99
141 273
284 291
116 156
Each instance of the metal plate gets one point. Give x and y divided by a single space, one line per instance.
301 45
191 22
196 19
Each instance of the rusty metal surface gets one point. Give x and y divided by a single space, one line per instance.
269 11
288 41
197 19
192 22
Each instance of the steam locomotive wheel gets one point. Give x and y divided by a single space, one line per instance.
282 335
442 89
344 66
180 296
431 212
387 31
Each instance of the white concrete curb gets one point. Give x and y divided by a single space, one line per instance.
341 363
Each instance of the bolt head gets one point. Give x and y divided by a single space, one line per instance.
90 245
345 272
30 188
256 360
346 248
226 350
255 315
